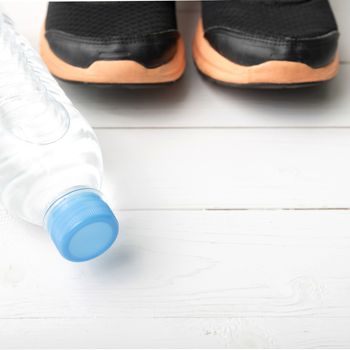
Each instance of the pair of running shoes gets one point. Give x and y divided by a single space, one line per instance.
247 43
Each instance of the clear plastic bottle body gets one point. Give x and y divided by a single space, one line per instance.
47 149
33 176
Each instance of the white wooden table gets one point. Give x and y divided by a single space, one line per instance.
234 209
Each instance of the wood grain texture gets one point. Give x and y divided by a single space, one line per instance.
227 168
234 209
197 333
234 278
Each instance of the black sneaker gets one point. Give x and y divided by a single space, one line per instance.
267 43
122 42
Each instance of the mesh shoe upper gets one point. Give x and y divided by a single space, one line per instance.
83 32
122 20
277 18
293 30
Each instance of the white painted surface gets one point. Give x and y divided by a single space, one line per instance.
235 217
184 278
227 168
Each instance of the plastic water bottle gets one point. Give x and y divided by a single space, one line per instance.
50 161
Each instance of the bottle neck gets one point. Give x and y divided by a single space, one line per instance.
67 195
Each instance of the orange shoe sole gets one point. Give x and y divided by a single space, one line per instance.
122 72
269 74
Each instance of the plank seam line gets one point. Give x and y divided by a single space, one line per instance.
219 127
39 318
4 212
230 209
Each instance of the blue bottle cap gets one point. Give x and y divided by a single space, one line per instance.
81 225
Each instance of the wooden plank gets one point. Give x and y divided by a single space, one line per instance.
226 168
185 264
175 333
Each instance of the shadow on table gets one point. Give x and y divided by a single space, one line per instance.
293 97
